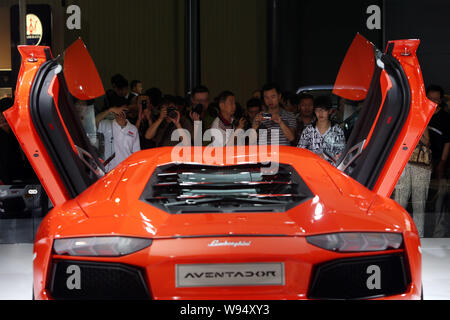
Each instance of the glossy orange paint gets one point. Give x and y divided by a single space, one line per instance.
422 110
112 207
19 120
356 72
19 117
81 74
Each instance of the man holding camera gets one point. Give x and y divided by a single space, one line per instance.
169 120
280 124
201 108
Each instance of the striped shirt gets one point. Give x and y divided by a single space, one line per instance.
275 134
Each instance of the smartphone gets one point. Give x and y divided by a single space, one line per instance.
267 116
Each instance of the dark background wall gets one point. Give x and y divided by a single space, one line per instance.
249 42
427 21
141 39
308 39
144 39
233 46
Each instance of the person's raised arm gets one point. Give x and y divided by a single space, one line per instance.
116 110
288 132
151 132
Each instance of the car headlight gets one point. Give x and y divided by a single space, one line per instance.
100 246
357 242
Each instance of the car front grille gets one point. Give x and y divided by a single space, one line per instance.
360 278
77 280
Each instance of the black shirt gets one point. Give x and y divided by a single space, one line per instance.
439 129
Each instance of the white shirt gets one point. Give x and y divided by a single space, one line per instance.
121 141
227 132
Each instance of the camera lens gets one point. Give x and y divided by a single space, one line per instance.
198 109
171 112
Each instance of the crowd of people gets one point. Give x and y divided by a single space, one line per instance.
143 120
130 119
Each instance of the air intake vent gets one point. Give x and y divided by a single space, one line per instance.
184 188
76 280
360 278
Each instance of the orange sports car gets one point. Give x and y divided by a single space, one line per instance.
268 223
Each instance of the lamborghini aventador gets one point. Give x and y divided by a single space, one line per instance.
155 228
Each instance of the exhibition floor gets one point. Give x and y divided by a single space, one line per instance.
16 270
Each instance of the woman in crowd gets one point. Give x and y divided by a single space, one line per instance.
323 137
415 181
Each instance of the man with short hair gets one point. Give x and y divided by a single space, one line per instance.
120 90
170 119
281 125
254 107
225 121
305 115
200 96
291 102
117 96
135 103
136 88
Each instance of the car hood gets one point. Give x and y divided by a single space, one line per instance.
340 204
